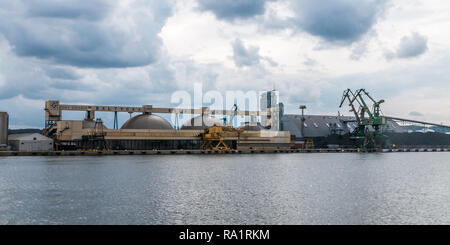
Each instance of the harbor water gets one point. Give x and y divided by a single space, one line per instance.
314 188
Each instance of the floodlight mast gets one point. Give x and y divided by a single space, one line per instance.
302 126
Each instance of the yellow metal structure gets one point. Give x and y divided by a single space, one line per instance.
309 143
213 137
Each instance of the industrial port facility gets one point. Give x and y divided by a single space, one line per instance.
268 129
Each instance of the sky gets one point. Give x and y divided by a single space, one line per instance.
136 52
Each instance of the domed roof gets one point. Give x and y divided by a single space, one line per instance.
248 127
146 121
90 124
199 122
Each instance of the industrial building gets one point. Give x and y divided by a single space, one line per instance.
148 130
269 102
274 129
368 128
30 142
268 129
328 131
324 125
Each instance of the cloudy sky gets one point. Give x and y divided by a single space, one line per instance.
134 52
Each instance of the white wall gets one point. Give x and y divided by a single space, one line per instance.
31 145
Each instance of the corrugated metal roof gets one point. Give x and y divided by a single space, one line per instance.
323 125
28 136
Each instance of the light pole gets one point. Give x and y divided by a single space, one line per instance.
302 107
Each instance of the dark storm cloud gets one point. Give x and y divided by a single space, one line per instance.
233 9
243 56
410 46
68 9
60 73
249 56
339 21
85 34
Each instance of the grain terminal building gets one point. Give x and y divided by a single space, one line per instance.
275 130
148 130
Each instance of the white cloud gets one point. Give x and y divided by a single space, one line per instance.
306 64
95 33
245 56
409 47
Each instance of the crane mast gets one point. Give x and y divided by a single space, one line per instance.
346 95
371 138
232 115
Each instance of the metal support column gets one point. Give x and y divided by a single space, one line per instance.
116 122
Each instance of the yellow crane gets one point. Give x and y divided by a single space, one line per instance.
214 137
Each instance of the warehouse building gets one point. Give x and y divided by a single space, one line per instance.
30 142
325 125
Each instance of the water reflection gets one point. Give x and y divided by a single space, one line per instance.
394 188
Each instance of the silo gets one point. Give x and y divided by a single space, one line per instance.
4 120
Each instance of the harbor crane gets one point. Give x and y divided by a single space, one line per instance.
368 126
213 137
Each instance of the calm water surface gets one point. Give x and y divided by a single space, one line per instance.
324 188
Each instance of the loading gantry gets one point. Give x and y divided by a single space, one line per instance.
53 112
213 138
369 127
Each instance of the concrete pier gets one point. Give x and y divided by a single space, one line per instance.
178 152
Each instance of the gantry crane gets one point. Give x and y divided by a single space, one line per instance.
214 137
371 138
